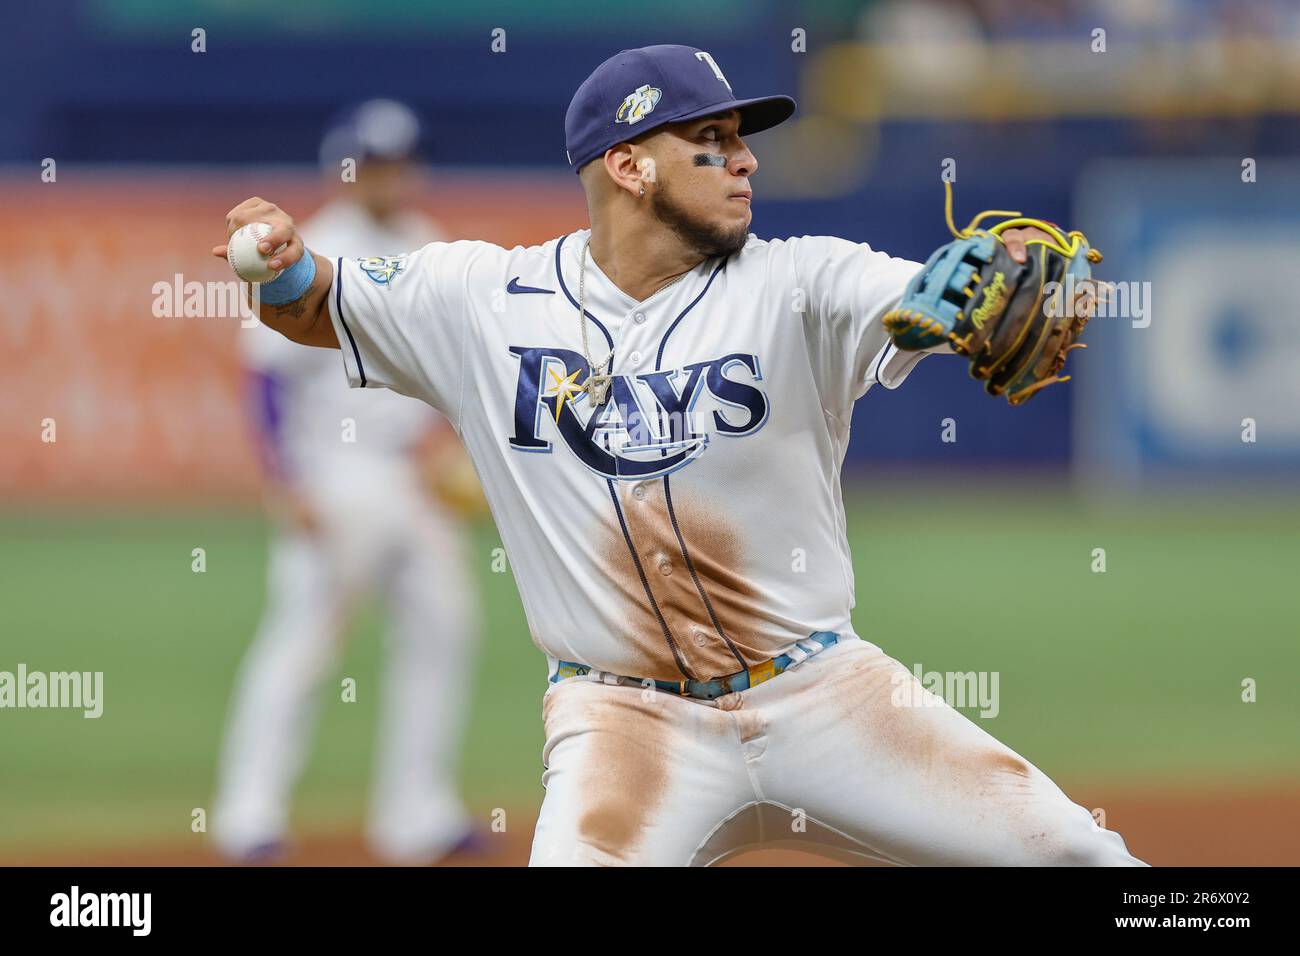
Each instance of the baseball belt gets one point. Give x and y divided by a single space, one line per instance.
810 646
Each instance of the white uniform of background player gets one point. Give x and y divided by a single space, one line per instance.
692 527
360 521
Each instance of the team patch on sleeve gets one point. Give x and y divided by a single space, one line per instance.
382 270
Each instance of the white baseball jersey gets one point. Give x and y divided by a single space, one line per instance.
692 525
317 412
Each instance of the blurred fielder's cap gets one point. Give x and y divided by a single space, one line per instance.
638 90
376 129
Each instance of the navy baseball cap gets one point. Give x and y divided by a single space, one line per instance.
639 90
375 129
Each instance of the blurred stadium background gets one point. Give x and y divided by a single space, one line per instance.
1173 147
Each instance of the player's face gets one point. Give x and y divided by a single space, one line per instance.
701 183
383 185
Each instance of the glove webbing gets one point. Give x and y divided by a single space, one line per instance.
1067 244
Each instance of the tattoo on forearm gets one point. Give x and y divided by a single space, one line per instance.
294 309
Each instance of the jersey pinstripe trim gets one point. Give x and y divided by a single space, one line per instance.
690 566
338 306
559 274
640 570
659 358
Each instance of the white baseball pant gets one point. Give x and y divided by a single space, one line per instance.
820 758
380 535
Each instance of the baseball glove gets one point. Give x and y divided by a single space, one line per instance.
1006 317
455 485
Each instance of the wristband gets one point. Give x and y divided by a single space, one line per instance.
290 284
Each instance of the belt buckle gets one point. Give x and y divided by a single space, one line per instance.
683 688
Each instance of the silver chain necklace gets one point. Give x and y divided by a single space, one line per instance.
597 384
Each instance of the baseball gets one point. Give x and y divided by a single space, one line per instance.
244 256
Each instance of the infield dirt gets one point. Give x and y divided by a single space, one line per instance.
1248 827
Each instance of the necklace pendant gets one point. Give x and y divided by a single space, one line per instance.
597 387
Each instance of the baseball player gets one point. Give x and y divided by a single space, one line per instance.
659 406
354 518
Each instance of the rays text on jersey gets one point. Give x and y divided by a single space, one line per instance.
656 422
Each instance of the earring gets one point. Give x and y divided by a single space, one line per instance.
642 190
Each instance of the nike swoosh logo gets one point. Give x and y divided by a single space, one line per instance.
514 288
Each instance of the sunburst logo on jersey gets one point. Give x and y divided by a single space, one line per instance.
382 269
565 391
638 105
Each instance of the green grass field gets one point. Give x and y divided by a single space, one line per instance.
1132 675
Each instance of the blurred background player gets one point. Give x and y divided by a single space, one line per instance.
350 477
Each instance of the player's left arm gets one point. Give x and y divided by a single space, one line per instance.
842 290
845 288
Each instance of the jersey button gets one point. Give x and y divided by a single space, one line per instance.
665 568
638 493
634 359
639 318
700 638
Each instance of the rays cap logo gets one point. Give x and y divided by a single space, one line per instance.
671 84
638 105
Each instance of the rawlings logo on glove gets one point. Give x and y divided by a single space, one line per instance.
1004 315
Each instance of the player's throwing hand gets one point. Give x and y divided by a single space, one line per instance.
295 302
282 231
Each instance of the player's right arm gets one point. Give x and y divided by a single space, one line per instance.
400 321
306 319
